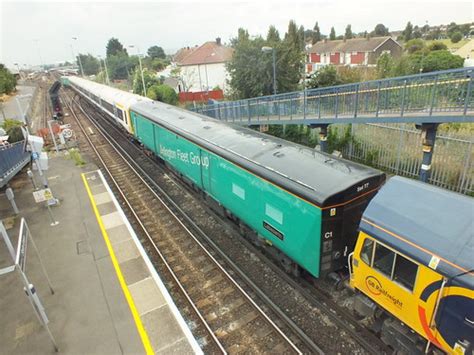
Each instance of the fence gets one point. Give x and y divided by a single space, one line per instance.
396 148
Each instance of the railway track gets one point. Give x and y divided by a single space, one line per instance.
228 318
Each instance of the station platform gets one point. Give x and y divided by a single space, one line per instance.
108 298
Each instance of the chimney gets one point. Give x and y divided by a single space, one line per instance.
218 41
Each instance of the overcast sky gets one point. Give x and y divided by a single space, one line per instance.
50 26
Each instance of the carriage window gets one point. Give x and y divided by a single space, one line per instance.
366 252
383 259
405 272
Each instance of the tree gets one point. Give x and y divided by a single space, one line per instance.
251 70
137 84
408 32
121 65
414 45
273 36
332 35
7 80
326 76
316 33
441 60
456 37
90 64
348 34
156 52
384 65
380 30
114 47
163 93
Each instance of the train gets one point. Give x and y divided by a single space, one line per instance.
320 214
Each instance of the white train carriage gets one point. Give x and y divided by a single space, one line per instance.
114 102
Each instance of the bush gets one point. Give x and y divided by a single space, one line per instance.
414 45
456 37
437 46
163 93
13 130
441 60
326 76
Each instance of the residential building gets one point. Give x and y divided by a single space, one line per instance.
352 52
204 68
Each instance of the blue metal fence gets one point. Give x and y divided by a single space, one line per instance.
12 158
443 96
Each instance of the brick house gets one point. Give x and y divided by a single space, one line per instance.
352 52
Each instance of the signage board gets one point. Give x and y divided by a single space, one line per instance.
43 195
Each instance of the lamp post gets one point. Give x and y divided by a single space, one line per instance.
141 69
79 57
271 49
19 71
106 77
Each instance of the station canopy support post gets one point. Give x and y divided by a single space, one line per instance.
428 136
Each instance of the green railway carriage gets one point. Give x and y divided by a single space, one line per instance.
305 203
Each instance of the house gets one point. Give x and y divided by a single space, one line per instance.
204 68
352 52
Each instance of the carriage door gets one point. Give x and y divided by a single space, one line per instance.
206 171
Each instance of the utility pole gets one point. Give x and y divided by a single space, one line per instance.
141 69
78 57
268 49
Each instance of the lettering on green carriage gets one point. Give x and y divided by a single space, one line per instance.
183 156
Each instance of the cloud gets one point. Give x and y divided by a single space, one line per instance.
173 25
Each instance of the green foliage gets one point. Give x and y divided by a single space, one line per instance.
156 52
251 70
163 93
316 34
437 46
90 64
273 36
385 65
348 34
332 34
114 48
441 60
407 33
137 83
334 142
414 45
13 130
120 66
75 155
300 134
456 37
380 30
326 76
7 80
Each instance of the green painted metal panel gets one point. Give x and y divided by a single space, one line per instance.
145 132
289 223
183 155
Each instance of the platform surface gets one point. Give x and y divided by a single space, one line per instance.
89 312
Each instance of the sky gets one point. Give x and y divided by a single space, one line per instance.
37 32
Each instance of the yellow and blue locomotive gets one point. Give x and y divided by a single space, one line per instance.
414 259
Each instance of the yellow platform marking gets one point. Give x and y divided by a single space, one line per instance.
138 322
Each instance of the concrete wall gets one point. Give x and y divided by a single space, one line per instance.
203 77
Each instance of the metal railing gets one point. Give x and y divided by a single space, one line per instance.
12 156
443 96
395 148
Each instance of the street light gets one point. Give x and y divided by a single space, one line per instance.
19 71
141 69
79 57
270 49
106 79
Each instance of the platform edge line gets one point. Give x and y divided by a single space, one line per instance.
136 317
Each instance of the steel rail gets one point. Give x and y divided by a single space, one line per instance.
229 277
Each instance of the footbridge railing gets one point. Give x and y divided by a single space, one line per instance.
436 97
13 158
